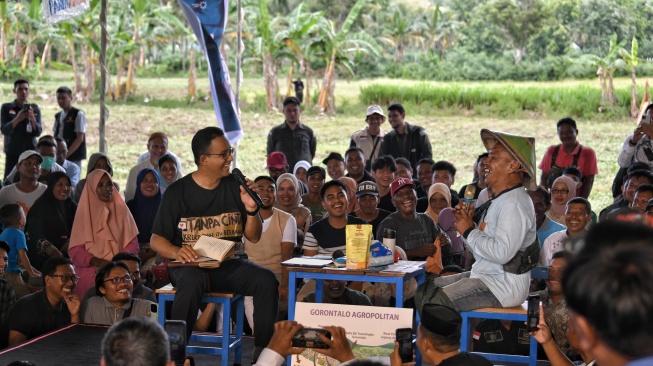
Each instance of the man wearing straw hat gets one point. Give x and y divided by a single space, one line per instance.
504 243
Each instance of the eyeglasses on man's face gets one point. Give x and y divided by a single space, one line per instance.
117 280
65 278
229 152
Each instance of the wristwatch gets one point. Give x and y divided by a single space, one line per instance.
253 213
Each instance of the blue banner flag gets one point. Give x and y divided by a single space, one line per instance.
208 19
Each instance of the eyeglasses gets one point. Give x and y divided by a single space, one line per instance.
67 278
561 191
224 154
117 280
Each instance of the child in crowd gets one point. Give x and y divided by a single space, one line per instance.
13 219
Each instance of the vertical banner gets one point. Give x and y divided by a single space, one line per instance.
57 10
370 329
208 19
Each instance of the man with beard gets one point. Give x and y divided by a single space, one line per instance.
505 243
44 311
191 208
368 198
278 239
405 140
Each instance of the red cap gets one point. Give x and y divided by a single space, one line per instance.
276 160
399 183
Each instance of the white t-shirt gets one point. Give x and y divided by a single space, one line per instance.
289 231
80 123
11 194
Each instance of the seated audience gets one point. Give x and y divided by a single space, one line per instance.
643 195
473 189
133 263
44 311
103 227
335 165
278 239
577 218
73 171
144 208
13 220
542 203
608 288
7 295
47 148
28 189
556 314
113 301
369 138
424 176
289 200
368 198
351 194
439 197
157 146
445 172
96 161
634 179
355 163
168 169
50 221
416 232
553 353
312 199
136 342
620 178
384 170
562 190
337 292
329 234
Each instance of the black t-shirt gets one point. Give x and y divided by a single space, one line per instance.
465 359
385 203
328 237
491 337
33 316
189 211
477 190
375 223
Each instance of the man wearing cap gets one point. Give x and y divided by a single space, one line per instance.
416 232
369 138
48 151
438 339
21 124
505 243
28 189
368 198
277 164
405 140
312 200
355 163
335 165
296 140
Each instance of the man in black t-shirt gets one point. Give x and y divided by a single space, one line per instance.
330 234
210 202
367 195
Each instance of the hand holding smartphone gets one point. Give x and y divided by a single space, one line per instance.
405 338
176 330
533 313
307 338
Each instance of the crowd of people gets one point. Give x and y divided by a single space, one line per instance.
73 249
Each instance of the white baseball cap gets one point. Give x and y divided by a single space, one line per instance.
374 109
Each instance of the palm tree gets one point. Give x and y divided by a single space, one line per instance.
632 60
337 47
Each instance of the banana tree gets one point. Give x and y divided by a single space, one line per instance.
606 66
402 29
338 46
631 59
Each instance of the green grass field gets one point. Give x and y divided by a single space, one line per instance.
454 137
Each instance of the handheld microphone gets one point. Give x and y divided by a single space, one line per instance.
241 179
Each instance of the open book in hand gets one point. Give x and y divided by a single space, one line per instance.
212 252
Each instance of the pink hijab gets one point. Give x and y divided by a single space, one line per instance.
351 193
104 228
571 186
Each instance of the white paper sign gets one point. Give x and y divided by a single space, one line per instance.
57 10
370 329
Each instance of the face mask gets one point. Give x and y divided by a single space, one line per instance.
48 163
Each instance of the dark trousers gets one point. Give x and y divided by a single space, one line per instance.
10 162
236 275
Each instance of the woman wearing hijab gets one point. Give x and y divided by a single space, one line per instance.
351 194
103 227
144 207
168 169
96 161
562 190
289 200
299 171
50 221
439 197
